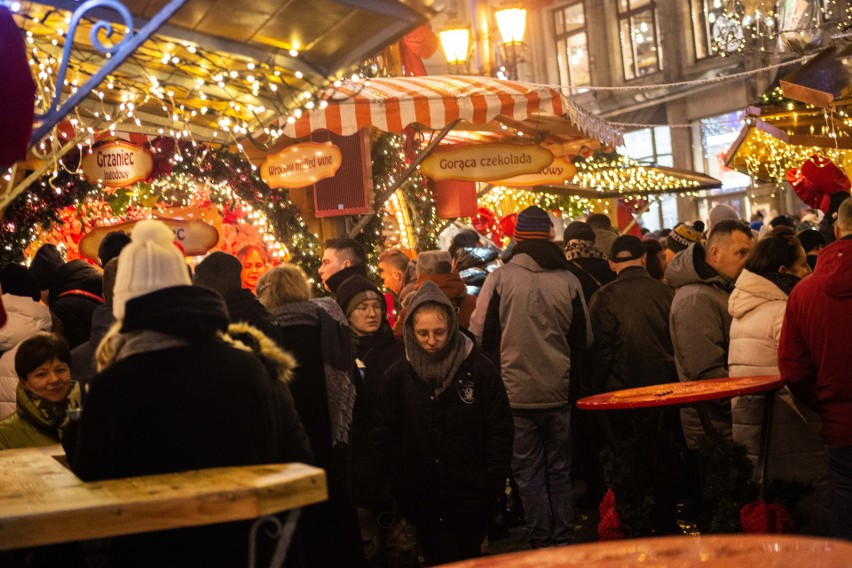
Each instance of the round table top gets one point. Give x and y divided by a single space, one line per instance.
671 394
718 551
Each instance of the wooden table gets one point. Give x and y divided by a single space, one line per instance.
675 394
692 393
718 551
43 502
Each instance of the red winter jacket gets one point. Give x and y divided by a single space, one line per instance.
814 354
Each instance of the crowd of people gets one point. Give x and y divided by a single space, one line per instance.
425 401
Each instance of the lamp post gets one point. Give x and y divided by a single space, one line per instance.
455 40
511 21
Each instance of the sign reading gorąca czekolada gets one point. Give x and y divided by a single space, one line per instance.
301 165
557 172
485 162
117 164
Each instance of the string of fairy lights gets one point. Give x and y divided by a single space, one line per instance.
761 26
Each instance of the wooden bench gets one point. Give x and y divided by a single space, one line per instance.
43 502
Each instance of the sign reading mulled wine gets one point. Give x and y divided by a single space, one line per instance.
195 236
301 165
485 162
117 164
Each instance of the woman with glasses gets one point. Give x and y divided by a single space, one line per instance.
376 349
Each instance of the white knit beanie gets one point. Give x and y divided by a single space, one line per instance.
149 263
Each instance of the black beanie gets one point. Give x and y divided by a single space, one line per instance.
16 280
356 288
45 264
111 245
578 231
220 271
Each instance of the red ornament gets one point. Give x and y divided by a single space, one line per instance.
817 180
414 47
485 222
761 517
506 227
609 528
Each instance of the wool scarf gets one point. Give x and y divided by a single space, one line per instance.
338 356
438 370
785 282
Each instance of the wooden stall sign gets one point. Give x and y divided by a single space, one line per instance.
301 165
117 164
485 162
559 171
195 236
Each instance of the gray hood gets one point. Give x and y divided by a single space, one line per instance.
430 292
682 269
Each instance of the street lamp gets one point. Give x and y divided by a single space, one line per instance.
511 21
455 40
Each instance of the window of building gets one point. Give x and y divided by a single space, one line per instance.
705 17
715 135
640 38
649 145
572 46
653 146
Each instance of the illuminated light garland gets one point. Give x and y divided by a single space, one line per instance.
201 175
620 173
755 26
182 86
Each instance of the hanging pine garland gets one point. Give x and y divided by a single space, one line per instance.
180 169
389 162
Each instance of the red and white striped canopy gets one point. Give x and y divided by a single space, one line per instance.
391 104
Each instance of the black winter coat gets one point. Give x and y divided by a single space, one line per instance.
376 353
70 299
630 322
329 530
200 405
447 456
243 306
593 273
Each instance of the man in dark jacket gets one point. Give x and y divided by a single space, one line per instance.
532 317
220 272
341 259
632 348
699 322
630 320
815 360
72 290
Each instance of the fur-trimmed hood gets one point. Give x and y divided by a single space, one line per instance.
243 336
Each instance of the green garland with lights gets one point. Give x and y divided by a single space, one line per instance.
389 162
40 204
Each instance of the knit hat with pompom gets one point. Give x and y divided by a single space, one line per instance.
149 263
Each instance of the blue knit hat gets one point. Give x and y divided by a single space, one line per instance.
533 223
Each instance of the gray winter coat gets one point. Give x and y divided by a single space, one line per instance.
539 316
700 326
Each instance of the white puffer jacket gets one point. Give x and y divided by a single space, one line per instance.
795 447
26 318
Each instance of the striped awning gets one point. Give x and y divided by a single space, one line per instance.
391 104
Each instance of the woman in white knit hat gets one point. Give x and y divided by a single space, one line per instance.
173 394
